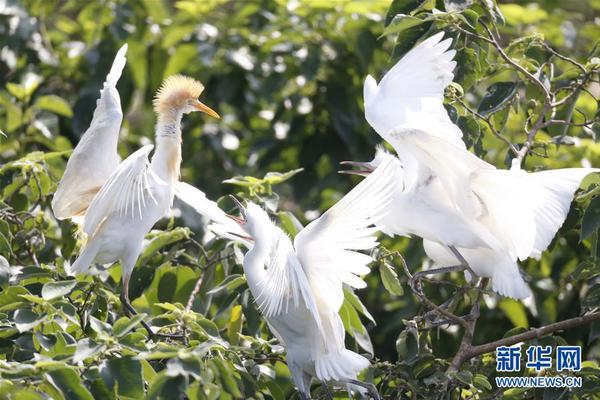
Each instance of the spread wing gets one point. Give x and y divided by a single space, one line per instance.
426 155
220 224
411 94
95 157
285 284
128 191
328 247
525 210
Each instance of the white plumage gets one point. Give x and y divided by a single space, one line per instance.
121 201
447 195
299 288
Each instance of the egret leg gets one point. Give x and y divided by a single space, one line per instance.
130 311
303 396
462 260
371 389
328 392
415 282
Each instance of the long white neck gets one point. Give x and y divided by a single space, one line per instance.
166 162
254 263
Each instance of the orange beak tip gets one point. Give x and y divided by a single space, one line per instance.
207 110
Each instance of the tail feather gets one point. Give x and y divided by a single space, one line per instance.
336 366
85 259
554 192
510 284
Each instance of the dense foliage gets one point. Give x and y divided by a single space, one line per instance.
287 79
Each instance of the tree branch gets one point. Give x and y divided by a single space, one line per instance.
474 351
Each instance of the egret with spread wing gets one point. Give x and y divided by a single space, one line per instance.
119 202
464 208
299 287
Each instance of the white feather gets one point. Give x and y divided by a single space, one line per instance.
95 157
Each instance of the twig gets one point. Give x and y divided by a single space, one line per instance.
516 65
489 122
419 293
196 289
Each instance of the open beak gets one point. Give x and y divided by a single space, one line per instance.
206 109
361 168
242 218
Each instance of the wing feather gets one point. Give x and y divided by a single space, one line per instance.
327 247
285 283
95 157
426 155
125 191
411 94
220 224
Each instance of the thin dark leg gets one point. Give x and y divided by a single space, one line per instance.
130 311
328 392
303 396
371 389
415 281
462 260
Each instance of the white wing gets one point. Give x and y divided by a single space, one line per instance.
127 193
555 190
525 210
95 157
411 94
220 224
426 156
285 283
327 247
507 215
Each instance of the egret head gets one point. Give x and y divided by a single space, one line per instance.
365 168
253 219
180 93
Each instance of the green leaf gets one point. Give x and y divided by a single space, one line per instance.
124 324
496 96
592 297
275 178
400 7
226 377
127 371
55 104
514 311
400 23
69 383
390 279
355 302
52 290
591 219
230 283
163 239
167 286
26 320
234 325
481 382
86 348
407 345
11 298
465 377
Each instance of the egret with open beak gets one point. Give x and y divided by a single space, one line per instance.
299 288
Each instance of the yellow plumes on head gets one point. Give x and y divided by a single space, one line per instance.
174 93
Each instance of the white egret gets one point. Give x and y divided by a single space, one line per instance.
299 288
119 202
463 207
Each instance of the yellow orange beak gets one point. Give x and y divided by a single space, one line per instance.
206 109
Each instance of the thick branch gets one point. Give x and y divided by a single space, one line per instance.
534 333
